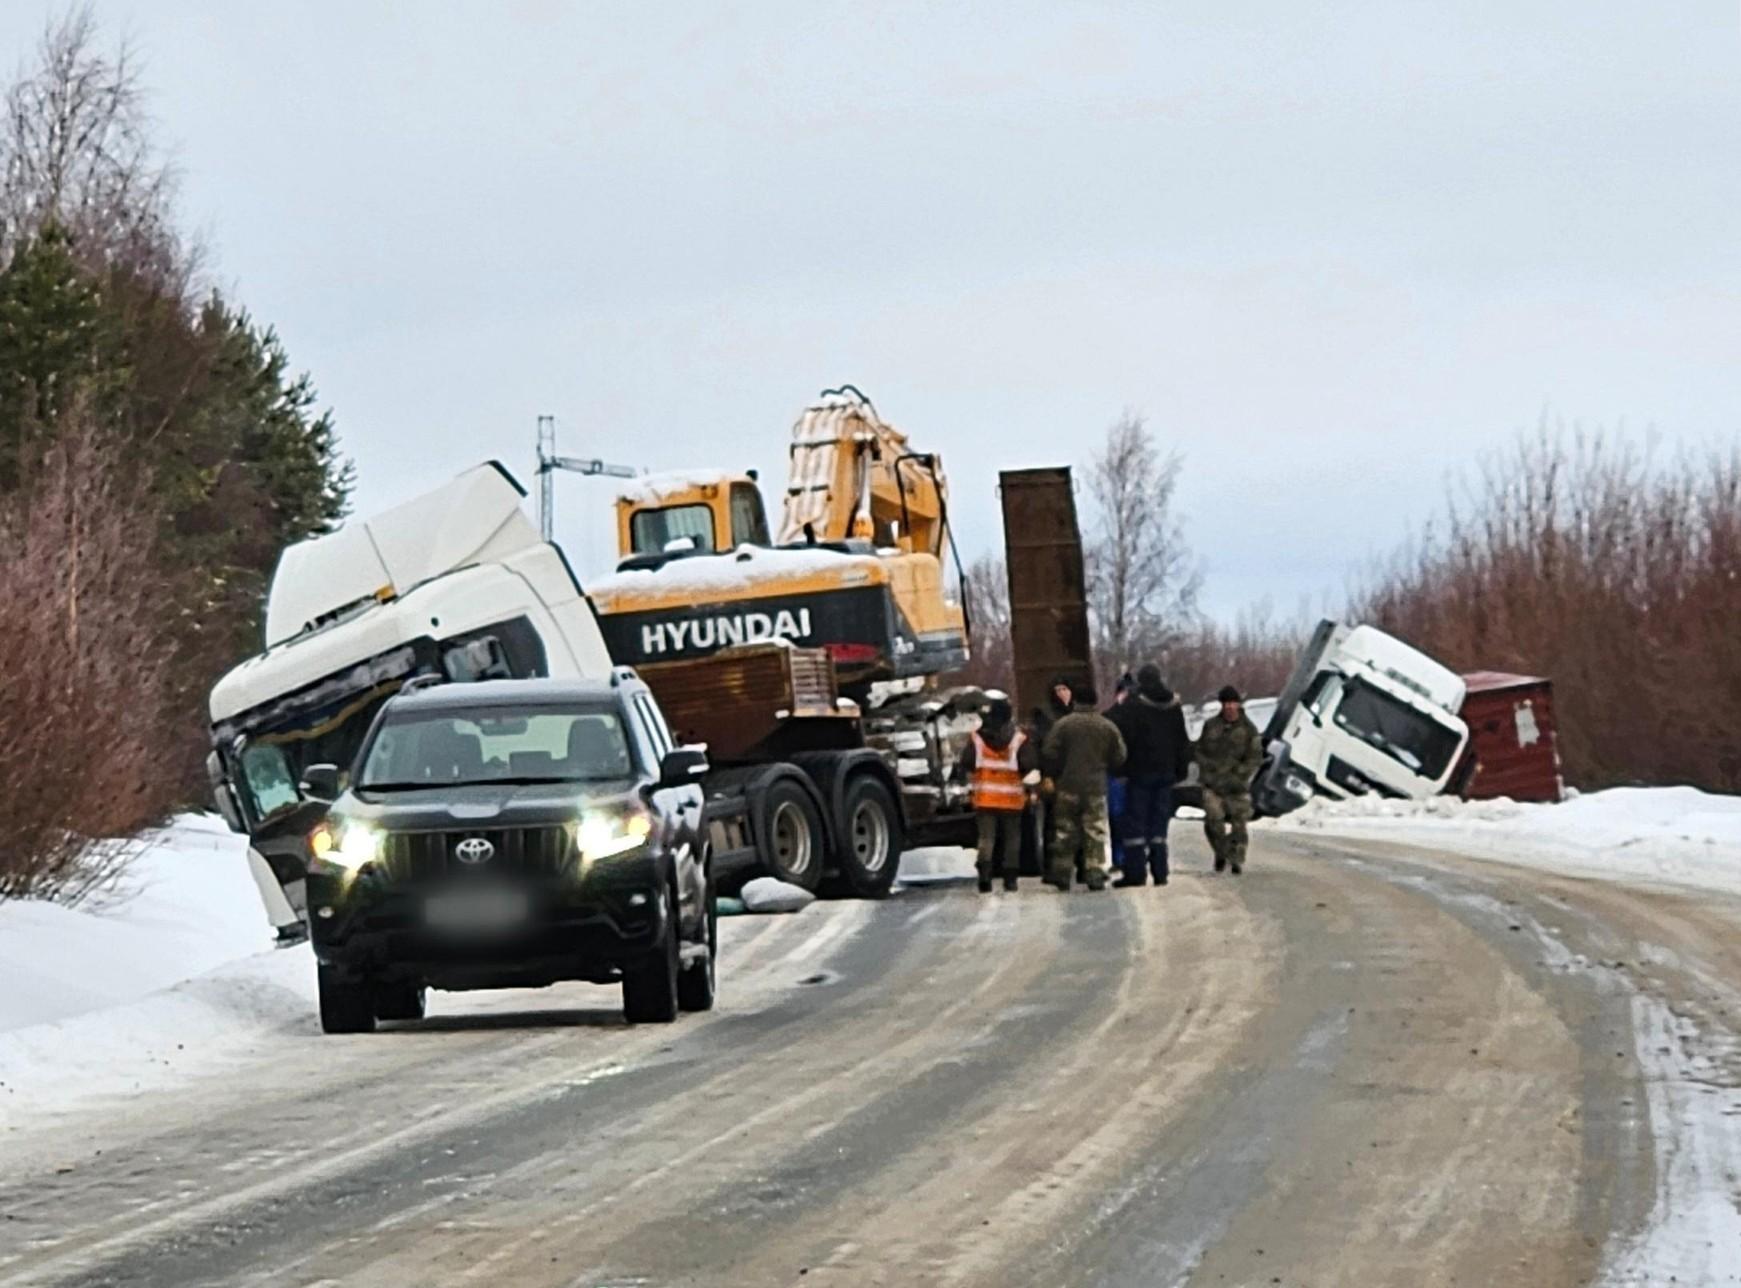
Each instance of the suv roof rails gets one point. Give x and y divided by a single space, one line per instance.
427 680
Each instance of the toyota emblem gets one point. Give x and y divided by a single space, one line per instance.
474 849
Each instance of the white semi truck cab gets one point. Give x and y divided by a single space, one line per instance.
456 583
1363 714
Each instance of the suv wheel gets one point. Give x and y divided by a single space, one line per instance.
404 1001
650 989
868 852
699 984
346 1005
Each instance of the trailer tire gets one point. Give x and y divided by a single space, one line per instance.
346 1006
791 834
868 838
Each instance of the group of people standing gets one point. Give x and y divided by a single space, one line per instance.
1108 781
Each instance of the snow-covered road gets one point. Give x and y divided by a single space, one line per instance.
1367 1060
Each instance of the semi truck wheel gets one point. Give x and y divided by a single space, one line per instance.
870 839
345 1005
791 835
650 990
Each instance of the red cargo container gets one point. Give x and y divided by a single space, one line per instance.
1512 748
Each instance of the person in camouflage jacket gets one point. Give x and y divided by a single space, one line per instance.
1229 754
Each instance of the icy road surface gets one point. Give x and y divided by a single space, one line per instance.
1357 1064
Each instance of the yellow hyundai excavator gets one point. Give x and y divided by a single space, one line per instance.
855 566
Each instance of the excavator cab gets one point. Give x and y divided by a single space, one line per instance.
667 516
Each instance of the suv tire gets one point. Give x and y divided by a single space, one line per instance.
346 1006
404 1001
650 989
699 984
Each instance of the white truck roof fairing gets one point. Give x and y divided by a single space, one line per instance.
1406 666
475 518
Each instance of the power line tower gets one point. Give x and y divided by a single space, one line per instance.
549 462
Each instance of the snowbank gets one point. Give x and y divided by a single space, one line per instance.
186 906
1677 835
937 864
112 998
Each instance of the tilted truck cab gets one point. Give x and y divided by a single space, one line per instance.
1363 714
455 583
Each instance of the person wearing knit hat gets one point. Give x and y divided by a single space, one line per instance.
1158 755
1229 754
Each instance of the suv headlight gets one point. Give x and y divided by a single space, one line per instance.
344 845
599 834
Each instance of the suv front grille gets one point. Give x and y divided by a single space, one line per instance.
424 856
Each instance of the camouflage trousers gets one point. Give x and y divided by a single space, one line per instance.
1079 826
1224 820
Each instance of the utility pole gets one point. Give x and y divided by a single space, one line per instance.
549 462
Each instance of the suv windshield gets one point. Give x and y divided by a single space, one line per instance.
1414 739
501 745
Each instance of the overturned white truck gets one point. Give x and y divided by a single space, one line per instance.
1363 714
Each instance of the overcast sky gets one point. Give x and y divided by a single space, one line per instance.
1330 250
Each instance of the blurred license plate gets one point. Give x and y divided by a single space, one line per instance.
476 909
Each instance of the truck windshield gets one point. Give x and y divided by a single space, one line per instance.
1412 738
502 745
651 531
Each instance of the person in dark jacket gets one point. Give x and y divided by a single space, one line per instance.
1158 755
1229 754
1122 693
1079 752
1002 763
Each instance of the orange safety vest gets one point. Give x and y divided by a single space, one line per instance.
997 776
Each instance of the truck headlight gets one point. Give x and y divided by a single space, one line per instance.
344 845
598 834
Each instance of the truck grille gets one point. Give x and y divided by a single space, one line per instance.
424 856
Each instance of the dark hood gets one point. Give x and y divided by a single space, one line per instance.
998 736
480 805
1158 695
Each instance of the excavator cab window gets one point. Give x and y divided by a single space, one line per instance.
749 521
651 532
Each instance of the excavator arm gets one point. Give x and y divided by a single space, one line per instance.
854 476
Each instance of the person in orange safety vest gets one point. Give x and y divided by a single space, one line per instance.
1002 764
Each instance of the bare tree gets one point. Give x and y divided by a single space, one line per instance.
1142 578
988 612
75 152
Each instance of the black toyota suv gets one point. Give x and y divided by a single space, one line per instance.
512 833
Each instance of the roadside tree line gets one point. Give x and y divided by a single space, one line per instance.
156 452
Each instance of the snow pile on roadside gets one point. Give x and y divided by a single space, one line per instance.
1678 835
936 864
768 894
185 906
174 973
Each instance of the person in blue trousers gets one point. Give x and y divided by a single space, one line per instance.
1115 785
1158 756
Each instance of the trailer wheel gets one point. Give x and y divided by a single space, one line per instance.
346 1006
791 835
869 852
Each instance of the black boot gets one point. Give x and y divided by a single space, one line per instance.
1009 884
985 885
1128 880
1220 864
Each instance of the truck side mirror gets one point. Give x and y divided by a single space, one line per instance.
321 783
683 767
223 794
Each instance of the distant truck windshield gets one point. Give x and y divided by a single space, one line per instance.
1416 740
506 745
